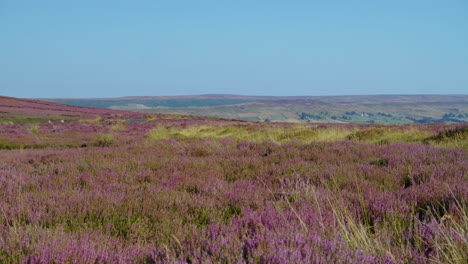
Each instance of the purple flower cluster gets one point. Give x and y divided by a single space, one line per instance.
222 200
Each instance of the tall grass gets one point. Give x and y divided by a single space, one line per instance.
275 134
307 134
447 241
455 138
230 192
104 140
389 135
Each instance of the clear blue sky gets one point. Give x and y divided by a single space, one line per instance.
99 48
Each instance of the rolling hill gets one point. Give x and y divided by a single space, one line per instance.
95 185
321 109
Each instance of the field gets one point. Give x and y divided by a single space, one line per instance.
91 185
390 109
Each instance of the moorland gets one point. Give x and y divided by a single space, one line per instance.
96 185
391 109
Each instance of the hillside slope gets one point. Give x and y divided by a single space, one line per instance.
129 187
329 109
17 110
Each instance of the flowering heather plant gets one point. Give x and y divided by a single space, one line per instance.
221 191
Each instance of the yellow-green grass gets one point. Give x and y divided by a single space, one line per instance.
280 133
96 119
456 138
118 126
104 140
33 128
389 135
12 118
277 134
359 235
264 133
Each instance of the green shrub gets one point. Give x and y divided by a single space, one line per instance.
104 140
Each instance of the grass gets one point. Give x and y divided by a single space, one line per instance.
456 138
275 134
226 190
12 118
33 128
449 233
104 140
401 112
223 191
94 120
118 127
450 237
300 132
389 135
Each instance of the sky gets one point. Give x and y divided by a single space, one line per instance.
103 48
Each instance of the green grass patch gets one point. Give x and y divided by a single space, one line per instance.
11 118
388 135
306 134
457 138
104 140
277 134
118 127
96 119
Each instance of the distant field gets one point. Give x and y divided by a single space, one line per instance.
250 118
389 109
126 103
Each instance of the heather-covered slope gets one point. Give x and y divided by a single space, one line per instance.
14 110
198 190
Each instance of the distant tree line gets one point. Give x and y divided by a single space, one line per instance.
447 118
347 116
306 116
384 114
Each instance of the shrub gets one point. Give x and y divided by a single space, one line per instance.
104 140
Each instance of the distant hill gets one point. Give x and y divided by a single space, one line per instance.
324 109
16 110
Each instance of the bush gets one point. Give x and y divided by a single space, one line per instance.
104 140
